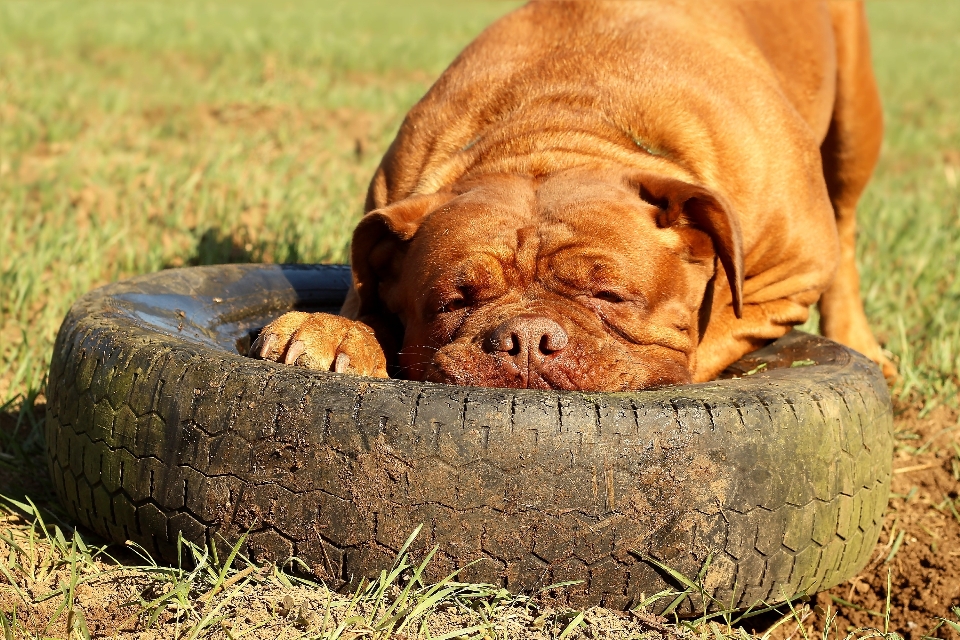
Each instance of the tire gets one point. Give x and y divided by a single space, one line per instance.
156 426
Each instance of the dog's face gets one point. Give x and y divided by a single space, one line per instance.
583 280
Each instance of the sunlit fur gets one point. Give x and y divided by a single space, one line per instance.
530 136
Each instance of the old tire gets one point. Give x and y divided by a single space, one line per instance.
157 426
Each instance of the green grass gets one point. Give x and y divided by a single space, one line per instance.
141 135
910 216
53 579
137 135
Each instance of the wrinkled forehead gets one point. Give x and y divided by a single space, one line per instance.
565 193
588 210
513 217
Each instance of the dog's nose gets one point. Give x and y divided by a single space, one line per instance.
524 334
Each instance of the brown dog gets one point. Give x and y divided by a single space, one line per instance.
608 195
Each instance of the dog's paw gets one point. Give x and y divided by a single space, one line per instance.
868 346
886 365
322 342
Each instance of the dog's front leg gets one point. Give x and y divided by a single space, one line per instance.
727 338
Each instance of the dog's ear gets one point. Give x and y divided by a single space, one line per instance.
380 241
707 211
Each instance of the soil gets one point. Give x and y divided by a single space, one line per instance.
919 547
918 553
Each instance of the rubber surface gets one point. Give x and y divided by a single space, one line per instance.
157 426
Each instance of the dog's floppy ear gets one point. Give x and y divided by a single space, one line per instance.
379 241
707 211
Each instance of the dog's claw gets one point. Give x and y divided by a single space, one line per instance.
262 346
294 351
342 363
265 345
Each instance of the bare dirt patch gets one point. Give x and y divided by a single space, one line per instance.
920 544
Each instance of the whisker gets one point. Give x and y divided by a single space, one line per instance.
418 346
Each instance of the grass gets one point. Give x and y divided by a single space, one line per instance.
139 135
204 595
53 577
910 216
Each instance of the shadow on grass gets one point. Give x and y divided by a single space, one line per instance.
239 246
25 474
23 466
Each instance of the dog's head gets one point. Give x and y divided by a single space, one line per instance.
589 280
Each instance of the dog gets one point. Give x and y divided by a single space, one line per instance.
608 195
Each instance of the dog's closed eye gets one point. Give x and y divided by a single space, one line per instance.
454 304
608 296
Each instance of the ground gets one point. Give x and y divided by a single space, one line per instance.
138 135
919 549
